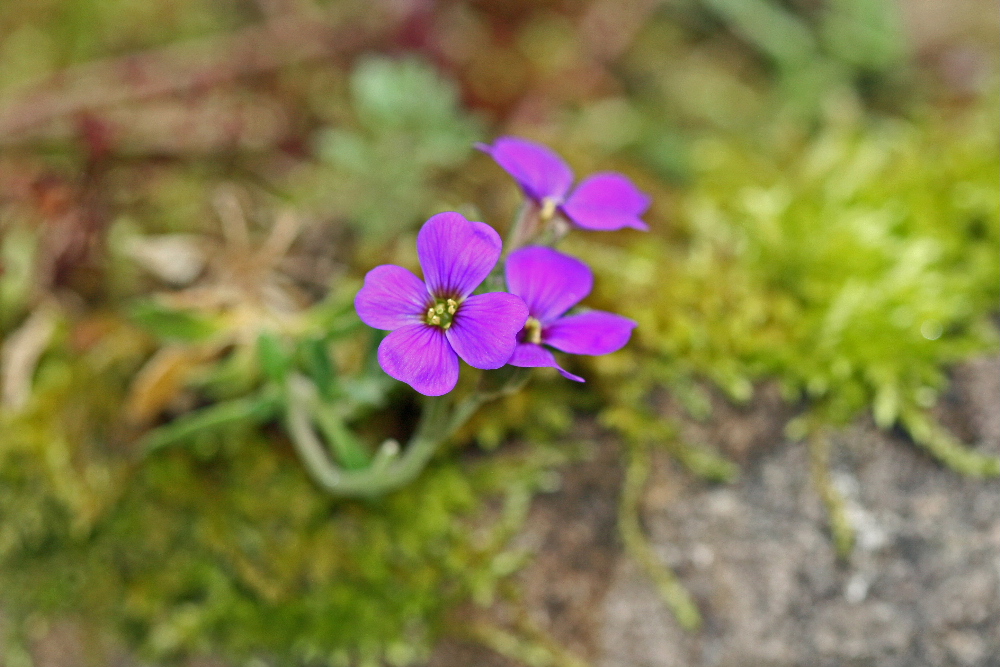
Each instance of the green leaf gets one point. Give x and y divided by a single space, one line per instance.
274 355
391 93
315 361
167 323
252 409
885 408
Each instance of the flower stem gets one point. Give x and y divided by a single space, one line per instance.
391 469
553 232
349 452
637 545
524 227
836 509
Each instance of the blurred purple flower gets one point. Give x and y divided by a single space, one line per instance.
604 201
433 323
550 283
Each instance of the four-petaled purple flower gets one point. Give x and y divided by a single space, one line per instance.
550 283
604 201
433 323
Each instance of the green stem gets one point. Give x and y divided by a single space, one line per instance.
702 461
515 237
529 645
464 411
347 449
553 232
637 545
390 470
522 229
836 510
258 408
946 448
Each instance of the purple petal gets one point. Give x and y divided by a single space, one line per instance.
420 356
549 281
392 297
538 169
456 254
594 332
485 328
607 201
529 355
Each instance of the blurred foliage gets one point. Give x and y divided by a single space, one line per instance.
848 256
19 250
851 268
409 132
231 548
846 41
224 544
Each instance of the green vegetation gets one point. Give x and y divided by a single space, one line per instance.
850 268
158 290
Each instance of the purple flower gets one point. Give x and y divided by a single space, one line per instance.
433 323
550 284
604 201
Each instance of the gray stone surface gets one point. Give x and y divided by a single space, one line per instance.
922 587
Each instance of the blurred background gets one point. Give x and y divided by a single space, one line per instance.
793 463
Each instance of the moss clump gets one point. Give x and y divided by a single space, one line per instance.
226 547
852 268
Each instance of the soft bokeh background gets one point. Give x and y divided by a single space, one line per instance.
793 463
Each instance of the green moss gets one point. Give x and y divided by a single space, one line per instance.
853 268
238 552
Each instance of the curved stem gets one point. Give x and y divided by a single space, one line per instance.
946 448
349 452
637 544
523 227
463 412
390 470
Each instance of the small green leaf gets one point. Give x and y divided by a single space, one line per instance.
167 323
315 361
885 408
275 357
252 409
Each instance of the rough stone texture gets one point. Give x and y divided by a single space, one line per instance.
973 407
575 536
921 589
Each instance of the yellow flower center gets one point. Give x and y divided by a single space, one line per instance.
533 331
548 209
442 313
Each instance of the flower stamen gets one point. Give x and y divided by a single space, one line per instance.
442 313
549 205
533 331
